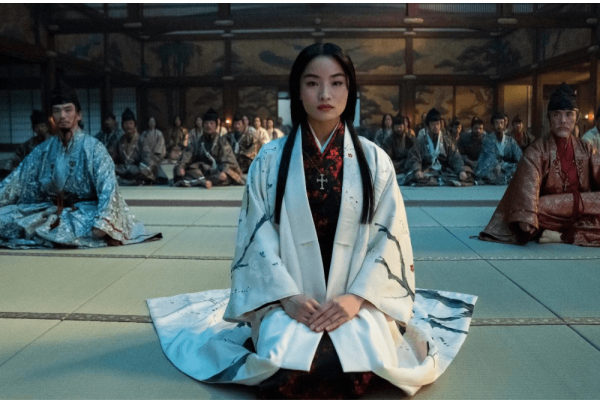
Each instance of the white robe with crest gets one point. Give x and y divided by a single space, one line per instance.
203 333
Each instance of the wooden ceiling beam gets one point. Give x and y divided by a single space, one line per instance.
23 51
293 17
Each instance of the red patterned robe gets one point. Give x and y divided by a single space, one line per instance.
557 187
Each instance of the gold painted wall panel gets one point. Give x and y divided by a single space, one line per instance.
176 59
86 46
265 57
158 107
198 100
560 41
518 46
258 101
376 101
474 101
428 97
455 57
376 56
124 53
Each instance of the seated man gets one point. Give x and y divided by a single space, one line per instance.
135 160
154 152
434 159
518 132
110 133
261 134
500 154
550 196
39 125
470 143
65 193
210 161
454 130
397 146
593 135
243 143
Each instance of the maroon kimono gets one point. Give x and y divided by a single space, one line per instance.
555 187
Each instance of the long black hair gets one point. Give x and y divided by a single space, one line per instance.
299 119
383 120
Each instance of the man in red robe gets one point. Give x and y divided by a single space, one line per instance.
555 193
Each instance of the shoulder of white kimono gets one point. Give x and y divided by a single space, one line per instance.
376 156
381 165
270 152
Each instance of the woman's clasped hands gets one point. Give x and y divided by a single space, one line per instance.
328 316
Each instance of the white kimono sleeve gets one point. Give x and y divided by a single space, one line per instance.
258 275
386 278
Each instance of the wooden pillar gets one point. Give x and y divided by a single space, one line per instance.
595 65
49 76
142 93
595 92
537 91
498 97
537 104
106 102
408 100
230 89
409 89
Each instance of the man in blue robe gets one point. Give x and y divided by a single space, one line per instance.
65 193
500 154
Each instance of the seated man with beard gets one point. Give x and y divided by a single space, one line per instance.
397 147
65 193
500 154
434 159
210 161
243 143
553 195
135 160
470 143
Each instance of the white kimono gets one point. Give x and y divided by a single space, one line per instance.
202 333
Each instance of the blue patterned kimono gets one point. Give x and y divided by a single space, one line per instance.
57 195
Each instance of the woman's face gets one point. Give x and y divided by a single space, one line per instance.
177 122
152 123
323 89
270 124
388 121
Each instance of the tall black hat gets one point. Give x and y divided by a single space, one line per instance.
210 115
38 117
498 115
432 116
64 94
127 115
563 98
398 120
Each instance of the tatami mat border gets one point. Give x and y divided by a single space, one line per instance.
59 253
238 203
147 319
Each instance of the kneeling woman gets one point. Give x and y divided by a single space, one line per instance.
323 296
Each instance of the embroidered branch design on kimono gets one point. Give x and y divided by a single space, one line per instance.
260 223
448 302
403 282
